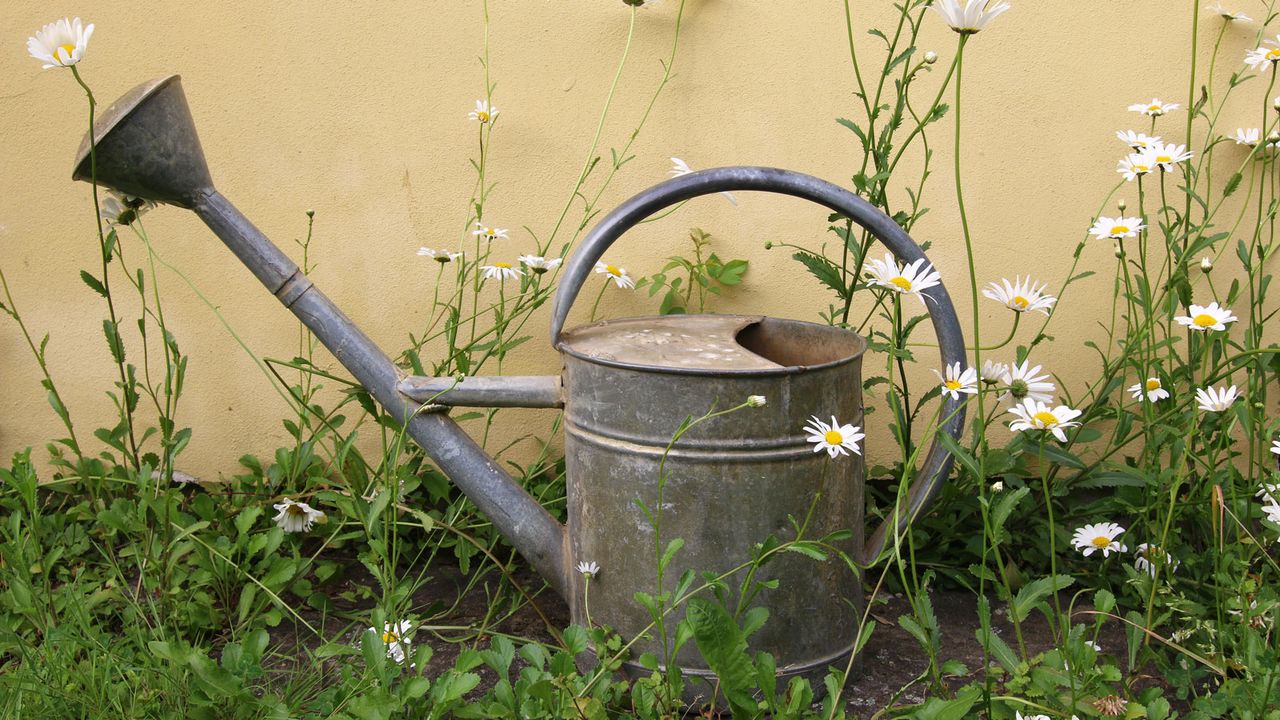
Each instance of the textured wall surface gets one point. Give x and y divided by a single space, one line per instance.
359 111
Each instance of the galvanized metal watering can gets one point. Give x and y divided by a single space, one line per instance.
626 384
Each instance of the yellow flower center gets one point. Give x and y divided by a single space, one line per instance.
1046 418
953 384
295 510
1020 302
1164 159
1142 169
1153 385
68 48
1154 108
903 283
613 270
482 116
389 637
1101 541
1204 320
1273 54
1120 229
502 265
833 437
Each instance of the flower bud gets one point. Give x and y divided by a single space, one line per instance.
756 401
311 213
768 245
1276 103
1205 264
1122 204
931 57
1119 251
997 486
1274 137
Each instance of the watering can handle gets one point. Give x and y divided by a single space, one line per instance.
937 463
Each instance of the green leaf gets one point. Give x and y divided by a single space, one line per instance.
724 646
957 709
1034 592
93 283
824 270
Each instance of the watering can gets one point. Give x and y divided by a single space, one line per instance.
728 483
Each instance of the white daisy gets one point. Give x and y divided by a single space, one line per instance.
1155 108
1036 415
1020 295
1023 382
914 277
756 401
617 274
590 569
539 264
1211 317
488 232
1135 140
835 438
1117 227
1020 716
1247 136
440 256
61 43
296 516
1275 446
968 16
1264 56
1212 399
1228 15
1272 511
680 167
1166 155
1135 166
483 113
396 637
501 271
1152 389
992 372
116 208
957 381
1148 556
1098 537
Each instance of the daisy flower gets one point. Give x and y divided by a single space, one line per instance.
1206 318
1098 537
912 278
618 275
1020 716
1268 492
396 637
590 569
1275 446
61 43
119 209
957 381
296 516
1155 108
1214 400
1265 56
1117 227
1135 166
835 438
1036 415
1248 136
992 372
539 264
501 271
1136 140
1228 15
1272 511
968 16
1148 556
1152 388
489 233
440 256
1020 295
680 167
757 401
1022 382
1168 155
483 113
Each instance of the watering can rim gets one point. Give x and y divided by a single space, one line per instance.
113 115
564 344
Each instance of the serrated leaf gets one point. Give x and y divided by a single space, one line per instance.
1034 592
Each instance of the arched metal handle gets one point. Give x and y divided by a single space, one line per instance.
937 463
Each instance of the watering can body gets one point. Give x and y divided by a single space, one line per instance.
727 484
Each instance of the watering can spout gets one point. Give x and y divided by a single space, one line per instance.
145 145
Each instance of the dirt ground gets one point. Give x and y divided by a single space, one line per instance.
891 661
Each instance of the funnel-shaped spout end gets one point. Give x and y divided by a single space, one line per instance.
147 146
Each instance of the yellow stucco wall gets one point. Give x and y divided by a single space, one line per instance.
359 111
